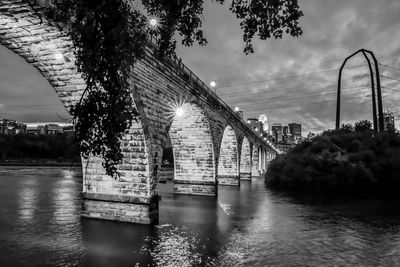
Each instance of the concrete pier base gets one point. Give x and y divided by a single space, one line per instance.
245 176
228 180
189 187
123 208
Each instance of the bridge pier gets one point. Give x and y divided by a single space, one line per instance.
245 160
142 210
228 167
190 187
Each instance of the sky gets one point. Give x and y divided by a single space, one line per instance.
289 79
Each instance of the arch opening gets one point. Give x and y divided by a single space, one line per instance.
245 160
228 167
129 198
194 166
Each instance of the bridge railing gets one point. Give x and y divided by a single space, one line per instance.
178 61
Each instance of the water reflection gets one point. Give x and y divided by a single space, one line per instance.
250 226
27 197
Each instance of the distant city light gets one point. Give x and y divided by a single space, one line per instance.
58 56
179 111
237 109
213 84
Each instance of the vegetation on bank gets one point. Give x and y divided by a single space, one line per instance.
353 160
38 149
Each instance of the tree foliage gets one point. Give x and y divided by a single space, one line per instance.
111 35
363 125
354 162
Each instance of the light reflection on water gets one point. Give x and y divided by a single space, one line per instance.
251 226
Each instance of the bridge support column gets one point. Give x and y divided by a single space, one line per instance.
132 196
255 162
228 169
245 160
142 210
192 144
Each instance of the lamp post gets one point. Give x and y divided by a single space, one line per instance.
213 84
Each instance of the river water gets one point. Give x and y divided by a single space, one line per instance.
40 225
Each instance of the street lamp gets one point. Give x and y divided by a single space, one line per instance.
237 109
213 84
179 112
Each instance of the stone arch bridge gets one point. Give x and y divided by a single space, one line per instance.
211 144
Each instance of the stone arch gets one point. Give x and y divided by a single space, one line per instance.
245 160
255 161
228 162
44 45
192 144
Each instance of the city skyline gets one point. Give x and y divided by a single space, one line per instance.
331 32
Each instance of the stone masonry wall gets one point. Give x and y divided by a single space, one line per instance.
255 164
228 167
245 160
192 146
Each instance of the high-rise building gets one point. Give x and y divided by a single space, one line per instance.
388 120
264 122
295 130
12 127
277 131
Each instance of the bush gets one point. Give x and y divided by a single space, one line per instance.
345 161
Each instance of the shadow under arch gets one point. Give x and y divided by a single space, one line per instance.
228 161
378 125
245 160
46 47
193 150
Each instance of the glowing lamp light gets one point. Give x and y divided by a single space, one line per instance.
213 84
237 109
179 112
256 129
265 138
58 56
153 22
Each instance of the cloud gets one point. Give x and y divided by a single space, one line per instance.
332 31
291 80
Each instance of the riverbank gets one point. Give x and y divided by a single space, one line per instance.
345 162
40 163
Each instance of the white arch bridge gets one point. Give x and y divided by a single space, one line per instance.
211 144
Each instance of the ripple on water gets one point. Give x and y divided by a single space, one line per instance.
174 246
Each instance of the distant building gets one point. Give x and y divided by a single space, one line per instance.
49 128
52 129
277 131
388 120
12 127
295 130
69 129
264 122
